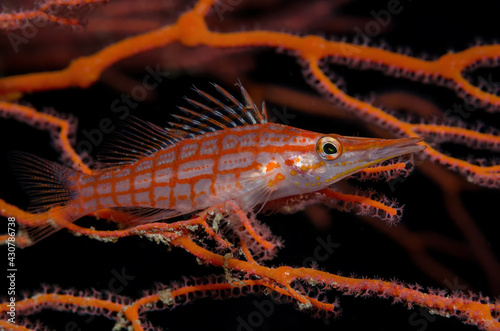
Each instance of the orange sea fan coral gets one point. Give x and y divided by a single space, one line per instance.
349 52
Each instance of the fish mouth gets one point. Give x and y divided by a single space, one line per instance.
362 153
385 149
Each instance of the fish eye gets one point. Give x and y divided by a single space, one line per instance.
328 148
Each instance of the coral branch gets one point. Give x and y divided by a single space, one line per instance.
63 131
48 10
232 239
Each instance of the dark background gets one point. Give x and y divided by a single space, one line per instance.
134 265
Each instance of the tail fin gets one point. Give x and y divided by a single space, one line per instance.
50 189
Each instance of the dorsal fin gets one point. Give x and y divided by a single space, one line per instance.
137 139
221 115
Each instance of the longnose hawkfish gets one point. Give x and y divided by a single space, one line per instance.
228 151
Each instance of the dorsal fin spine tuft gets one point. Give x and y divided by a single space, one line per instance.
140 139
